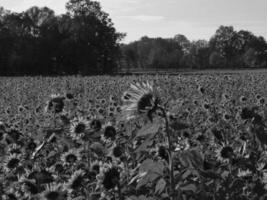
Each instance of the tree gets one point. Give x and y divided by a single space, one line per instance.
96 42
226 42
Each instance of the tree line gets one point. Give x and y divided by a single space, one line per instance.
84 41
227 48
38 42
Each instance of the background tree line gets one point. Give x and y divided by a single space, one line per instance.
227 48
84 41
38 42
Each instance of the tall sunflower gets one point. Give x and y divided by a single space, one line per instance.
140 99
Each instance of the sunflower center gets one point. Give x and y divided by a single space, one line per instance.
96 168
145 102
111 178
117 151
80 128
227 152
13 163
77 182
110 132
71 158
31 187
53 195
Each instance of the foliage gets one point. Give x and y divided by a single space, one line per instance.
227 45
38 42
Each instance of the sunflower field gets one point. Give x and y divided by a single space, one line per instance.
147 137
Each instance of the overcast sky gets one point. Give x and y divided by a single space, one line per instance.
196 19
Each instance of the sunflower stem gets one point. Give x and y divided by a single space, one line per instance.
119 192
172 184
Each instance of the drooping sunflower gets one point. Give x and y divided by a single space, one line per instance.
140 99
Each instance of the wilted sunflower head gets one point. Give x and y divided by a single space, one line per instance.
55 104
96 125
140 99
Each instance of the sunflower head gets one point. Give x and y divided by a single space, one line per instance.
117 151
111 178
110 132
227 152
11 162
95 167
78 127
71 156
54 192
163 153
41 177
140 99
76 180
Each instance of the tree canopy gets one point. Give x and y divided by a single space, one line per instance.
38 42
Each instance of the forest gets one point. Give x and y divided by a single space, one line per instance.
84 41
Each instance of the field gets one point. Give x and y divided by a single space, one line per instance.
190 136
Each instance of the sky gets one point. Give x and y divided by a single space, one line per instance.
196 19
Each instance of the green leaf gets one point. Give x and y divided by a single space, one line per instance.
98 148
143 147
149 128
161 184
189 187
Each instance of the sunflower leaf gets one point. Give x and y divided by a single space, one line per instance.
161 184
149 128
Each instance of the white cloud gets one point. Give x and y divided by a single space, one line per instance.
145 18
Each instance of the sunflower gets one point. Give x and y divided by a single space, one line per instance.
71 156
76 181
139 99
57 168
11 162
95 167
41 176
54 192
225 153
29 187
108 177
109 133
78 127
